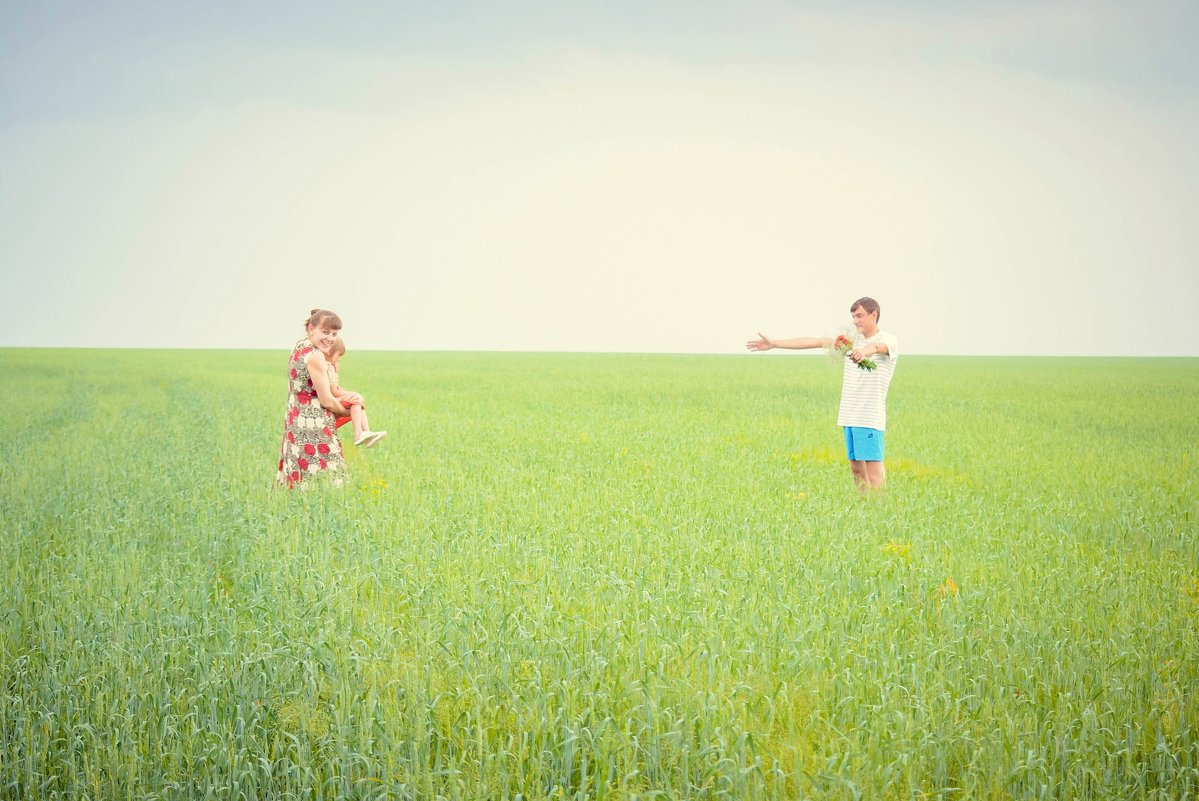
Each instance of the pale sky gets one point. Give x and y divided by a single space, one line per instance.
1004 177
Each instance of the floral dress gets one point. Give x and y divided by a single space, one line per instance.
310 443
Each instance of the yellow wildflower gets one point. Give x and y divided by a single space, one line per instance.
901 550
946 590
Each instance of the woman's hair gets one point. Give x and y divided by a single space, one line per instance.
339 347
319 317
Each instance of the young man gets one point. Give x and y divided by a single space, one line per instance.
863 410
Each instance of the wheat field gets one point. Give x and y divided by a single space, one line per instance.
569 576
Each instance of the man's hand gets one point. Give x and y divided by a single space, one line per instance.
761 343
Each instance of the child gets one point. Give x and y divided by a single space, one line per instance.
351 400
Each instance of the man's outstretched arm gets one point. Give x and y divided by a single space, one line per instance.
764 342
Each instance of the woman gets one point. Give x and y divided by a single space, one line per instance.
310 444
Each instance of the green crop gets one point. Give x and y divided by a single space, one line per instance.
599 577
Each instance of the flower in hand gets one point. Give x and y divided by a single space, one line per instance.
844 346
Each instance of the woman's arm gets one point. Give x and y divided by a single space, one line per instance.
320 382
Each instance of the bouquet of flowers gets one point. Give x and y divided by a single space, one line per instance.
843 346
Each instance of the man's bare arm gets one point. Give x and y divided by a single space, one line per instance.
798 343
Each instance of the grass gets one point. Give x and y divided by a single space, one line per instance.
599 576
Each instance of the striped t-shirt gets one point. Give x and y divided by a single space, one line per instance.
864 392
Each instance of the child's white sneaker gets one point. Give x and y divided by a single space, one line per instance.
373 437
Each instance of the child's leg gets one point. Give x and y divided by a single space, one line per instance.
358 418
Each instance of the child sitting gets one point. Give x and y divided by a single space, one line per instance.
351 400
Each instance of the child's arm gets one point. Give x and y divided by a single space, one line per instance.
346 397
335 382
320 382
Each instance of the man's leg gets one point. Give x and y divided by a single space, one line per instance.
865 449
860 477
875 474
856 465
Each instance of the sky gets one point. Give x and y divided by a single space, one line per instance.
1005 178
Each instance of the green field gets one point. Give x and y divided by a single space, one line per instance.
599 576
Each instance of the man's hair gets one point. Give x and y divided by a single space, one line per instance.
870 305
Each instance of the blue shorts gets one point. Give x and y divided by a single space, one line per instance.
864 444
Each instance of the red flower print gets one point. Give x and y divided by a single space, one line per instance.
326 432
302 463
291 437
304 352
310 449
324 465
280 464
294 374
310 382
303 397
322 448
294 477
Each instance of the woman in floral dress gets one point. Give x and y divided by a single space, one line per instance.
310 444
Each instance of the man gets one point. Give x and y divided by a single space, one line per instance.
863 410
